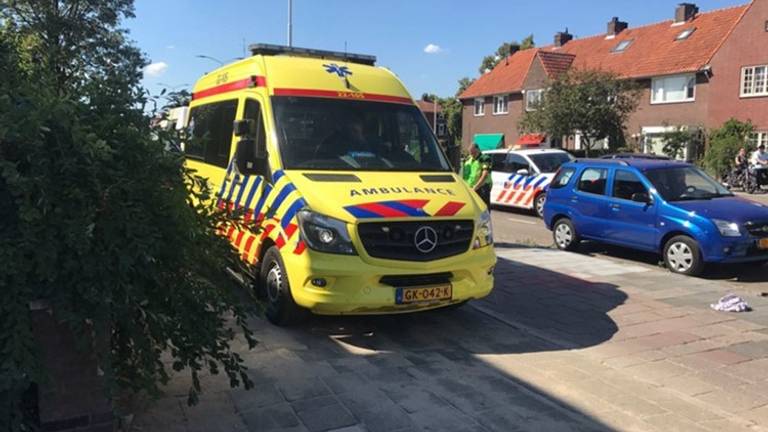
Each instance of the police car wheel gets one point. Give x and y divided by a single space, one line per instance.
565 235
280 308
538 204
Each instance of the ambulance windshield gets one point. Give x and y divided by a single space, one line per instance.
344 135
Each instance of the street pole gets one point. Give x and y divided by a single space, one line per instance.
290 23
434 116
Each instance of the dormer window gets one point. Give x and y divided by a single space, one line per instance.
685 34
622 46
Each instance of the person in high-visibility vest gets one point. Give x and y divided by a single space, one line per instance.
476 171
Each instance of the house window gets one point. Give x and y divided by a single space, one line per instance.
685 34
622 46
479 106
756 139
500 104
440 129
754 81
678 88
533 99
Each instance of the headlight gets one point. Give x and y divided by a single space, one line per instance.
727 229
325 234
484 231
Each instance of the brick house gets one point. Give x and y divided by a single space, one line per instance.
696 71
432 112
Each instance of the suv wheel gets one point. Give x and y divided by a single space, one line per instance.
538 204
682 255
565 235
280 308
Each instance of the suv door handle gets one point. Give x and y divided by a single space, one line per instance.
615 207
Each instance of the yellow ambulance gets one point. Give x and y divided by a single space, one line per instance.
350 205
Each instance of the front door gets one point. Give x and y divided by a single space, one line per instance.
632 223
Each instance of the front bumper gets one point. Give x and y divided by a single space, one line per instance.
353 284
735 250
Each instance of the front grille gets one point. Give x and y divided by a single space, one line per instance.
757 229
416 280
395 240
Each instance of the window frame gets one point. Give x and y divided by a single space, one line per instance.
496 100
753 81
622 46
755 138
688 99
605 186
539 92
479 103
614 183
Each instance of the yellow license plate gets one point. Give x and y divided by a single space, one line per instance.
423 294
762 243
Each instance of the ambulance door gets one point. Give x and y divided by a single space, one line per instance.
209 148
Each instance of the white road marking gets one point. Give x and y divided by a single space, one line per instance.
522 221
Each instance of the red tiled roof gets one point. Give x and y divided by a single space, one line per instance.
426 106
506 77
555 63
653 52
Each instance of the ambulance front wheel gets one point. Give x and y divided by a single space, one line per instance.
276 290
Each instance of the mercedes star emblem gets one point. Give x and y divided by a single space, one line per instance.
425 239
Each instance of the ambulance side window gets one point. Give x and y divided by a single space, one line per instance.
253 112
211 129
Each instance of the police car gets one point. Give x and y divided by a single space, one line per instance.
521 177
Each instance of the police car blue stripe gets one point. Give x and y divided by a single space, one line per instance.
541 181
252 193
291 212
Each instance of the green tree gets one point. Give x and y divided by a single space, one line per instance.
675 141
97 218
594 104
490 61
724 144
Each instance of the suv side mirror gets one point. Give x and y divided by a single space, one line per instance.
642 197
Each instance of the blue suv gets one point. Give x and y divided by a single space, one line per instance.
661 206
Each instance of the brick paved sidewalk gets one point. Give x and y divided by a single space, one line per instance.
565 342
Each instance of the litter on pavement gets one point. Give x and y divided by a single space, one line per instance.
731 303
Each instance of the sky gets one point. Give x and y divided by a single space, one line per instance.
429 44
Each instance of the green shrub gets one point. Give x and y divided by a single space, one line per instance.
724 144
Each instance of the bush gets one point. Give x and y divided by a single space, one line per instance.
103 223
724 144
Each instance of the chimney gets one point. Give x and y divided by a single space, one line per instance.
685 12
562 38
615 26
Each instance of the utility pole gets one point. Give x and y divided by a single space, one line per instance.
434 115
290 23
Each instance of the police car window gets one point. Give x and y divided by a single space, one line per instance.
211 132
563 178
516 162
593 180
626 184
498 162
253 112
352 135
550 162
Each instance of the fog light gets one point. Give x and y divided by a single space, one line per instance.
319 282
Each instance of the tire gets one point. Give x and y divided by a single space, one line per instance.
538 204
683 256
280 308
564 235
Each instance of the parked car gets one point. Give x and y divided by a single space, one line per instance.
671 208
521 177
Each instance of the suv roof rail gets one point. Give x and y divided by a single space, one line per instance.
273 50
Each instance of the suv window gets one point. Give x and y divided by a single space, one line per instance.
498 162
516 162
562 178
593 180
211 128
626 184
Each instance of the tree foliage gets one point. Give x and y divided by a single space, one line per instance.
490 61
595 104
676 140
724 144
98 219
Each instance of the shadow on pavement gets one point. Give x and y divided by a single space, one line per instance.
451 369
